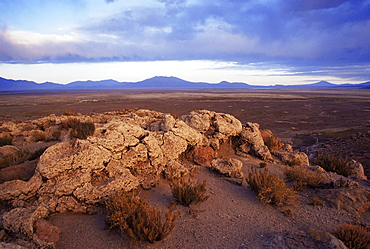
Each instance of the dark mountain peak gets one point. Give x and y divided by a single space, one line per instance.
323 83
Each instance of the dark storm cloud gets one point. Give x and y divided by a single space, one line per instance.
304 33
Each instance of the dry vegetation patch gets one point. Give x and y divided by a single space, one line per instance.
187 191
333 163
271 189
138 220
303 177
353 236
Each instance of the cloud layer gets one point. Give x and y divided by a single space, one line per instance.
301 33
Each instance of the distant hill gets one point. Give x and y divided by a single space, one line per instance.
158 82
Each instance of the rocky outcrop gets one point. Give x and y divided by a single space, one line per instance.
312 238
230 167
127 149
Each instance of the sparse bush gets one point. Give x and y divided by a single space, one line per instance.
271 189
303 178
333 163
70 112
38 135
316 201
70 122
83 129
20 157
273 143
263 164
56 134
187 192
138 220
353 236
5 139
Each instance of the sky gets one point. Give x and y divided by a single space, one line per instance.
260 42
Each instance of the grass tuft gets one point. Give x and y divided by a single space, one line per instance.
271 189
138 220
353 236
5 139
83 129
333 163
303 178
187 192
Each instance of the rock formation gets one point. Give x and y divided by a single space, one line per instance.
128 149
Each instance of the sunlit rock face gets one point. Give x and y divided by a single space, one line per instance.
127 150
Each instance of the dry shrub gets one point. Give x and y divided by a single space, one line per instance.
187 192
333 163
5 139
137 219
271 189
70 122
20 156
353 236
273 143
303 178
83 129
38 135
70 112
56 134
316 201
263 164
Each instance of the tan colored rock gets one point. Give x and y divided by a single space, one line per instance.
4 245
90 194
231 167
357 170
199 120
312 238
20 190
292 157
7 150
173 146
66 156
20 221
227 124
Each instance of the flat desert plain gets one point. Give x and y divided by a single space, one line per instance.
232 217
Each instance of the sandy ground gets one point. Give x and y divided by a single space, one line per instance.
231 218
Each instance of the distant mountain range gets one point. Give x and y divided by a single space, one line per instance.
158 82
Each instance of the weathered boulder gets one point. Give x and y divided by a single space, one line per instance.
202 155
312 238
199 120
357 170
129 148
21 221
251 140
230 167
290 157
46 231
7 150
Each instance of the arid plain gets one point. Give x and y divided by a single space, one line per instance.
232 217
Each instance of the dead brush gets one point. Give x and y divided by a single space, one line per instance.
271 189
303 178
333 163
353 236
137 219
5 139
83 129
273 143
187 192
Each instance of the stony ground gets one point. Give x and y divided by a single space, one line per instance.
232 217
